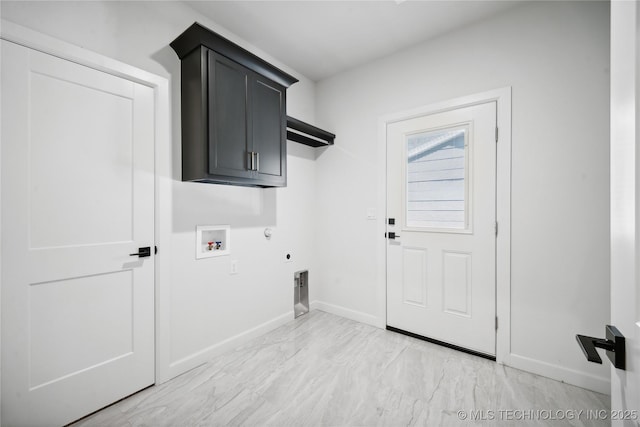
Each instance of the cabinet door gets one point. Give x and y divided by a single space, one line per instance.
267 130
228 136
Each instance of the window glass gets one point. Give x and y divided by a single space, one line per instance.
436 179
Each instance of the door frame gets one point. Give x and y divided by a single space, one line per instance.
502 97
624 193
26 37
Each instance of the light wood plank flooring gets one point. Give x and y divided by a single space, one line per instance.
324 370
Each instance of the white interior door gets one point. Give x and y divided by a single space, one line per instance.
77 200
441 196
625 210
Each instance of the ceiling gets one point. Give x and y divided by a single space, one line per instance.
322 38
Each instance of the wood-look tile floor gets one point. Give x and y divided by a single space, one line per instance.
324 370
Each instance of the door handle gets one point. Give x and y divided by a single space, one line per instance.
613 343
392 235
143 252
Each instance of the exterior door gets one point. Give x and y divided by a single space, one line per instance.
77 199
441 208
625 213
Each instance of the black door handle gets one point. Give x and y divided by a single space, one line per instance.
614 344
392 235
143 252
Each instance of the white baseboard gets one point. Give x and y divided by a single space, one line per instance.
559 373
194 360
358 316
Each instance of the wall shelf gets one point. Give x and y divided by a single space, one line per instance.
304 133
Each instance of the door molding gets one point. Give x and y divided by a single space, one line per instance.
502 97
162 144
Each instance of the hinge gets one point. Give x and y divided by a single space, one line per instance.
496 323
496 134
496 227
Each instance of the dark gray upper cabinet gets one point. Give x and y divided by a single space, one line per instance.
233 112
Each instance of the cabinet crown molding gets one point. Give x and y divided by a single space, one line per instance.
197 35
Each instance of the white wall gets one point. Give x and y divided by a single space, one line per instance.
204 308
555 55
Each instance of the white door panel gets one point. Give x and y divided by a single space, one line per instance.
625 211
77 199
441 193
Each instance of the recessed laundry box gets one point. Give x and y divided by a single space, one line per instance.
301 292
213 240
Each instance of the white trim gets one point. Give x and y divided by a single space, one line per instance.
26 37
34 40
502 97
348 313
560 373
196 359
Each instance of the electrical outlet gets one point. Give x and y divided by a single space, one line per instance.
234 267
288 257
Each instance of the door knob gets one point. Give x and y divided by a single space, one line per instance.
392 235
614 344
143 252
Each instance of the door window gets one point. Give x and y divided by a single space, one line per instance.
437 179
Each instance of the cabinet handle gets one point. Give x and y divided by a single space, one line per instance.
253 161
